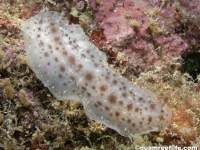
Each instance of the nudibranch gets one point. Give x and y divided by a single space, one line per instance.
72 67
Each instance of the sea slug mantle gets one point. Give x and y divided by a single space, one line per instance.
64 59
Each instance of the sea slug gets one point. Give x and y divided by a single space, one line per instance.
72 67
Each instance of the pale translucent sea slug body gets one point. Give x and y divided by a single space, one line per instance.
65 60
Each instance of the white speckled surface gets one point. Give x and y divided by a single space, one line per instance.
65 60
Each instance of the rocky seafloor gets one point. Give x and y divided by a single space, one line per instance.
154 44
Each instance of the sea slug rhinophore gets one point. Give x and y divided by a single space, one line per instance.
64 59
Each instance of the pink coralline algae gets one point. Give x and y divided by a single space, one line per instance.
147 32
36 118
172 45
120 20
